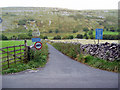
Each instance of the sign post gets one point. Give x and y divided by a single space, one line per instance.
99 34
38 44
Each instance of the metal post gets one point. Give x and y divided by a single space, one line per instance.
98 41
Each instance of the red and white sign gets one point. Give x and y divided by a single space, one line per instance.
38 45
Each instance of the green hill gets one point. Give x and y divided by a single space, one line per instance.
49 20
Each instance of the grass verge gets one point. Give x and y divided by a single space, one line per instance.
74 52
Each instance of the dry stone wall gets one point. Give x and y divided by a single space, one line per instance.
106 51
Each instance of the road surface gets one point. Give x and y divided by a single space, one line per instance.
62 72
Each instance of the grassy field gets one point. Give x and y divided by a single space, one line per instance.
88 41
14 42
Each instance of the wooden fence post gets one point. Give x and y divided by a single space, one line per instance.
25 60
20 53
14 55
28 56
8 57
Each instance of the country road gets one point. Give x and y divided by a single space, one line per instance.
62 72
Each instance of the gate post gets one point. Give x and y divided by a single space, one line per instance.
25 42
28 53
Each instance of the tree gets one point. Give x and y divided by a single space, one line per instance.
80 36
107 29
14 37
23 36
56 31
3 37
85 29
45 37
57 37
50 31
70 37
74 31
91 37
90 33
85 35
30 33
92 30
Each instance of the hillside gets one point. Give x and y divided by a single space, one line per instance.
49 20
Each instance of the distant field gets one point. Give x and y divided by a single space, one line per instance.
108 33
84 41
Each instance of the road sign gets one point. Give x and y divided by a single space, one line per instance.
36 40
99 33
38 45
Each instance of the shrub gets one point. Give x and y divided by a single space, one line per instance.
23 36
91 37
22 22
13 37
80 36
85 36
56 31
85 29
74 31
30 33
111 37
45 37
70 37
90 33
57 37
50 31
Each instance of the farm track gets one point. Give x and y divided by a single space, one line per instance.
62 72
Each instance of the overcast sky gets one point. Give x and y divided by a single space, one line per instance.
70 4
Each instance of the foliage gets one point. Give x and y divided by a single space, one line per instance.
80 36
86 36
91 37
23 36
14 37
30 33
90 33
69 49
85 29
74 31
111 37
70 37
22 22
50 31
45 37
57 37
37 59
73 51
102 64
56 31
3 37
